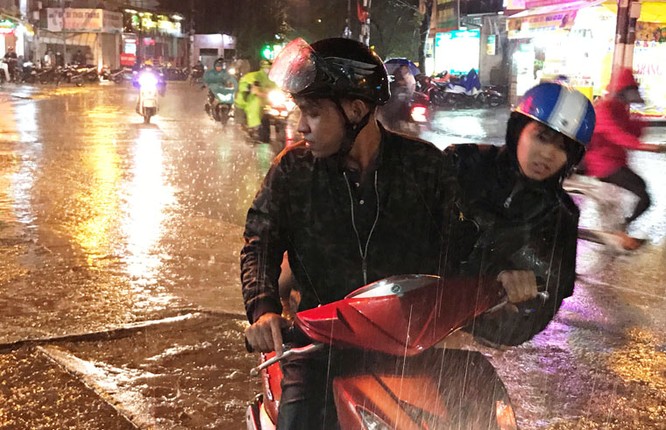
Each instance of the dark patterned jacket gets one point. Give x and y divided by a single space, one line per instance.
522 225
305 207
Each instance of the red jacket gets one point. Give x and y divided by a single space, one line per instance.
614 133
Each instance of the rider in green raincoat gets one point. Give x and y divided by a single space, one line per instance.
252 95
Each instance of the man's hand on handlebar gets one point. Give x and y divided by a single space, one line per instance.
265 334
520 286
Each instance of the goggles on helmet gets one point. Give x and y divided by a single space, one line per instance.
300 70
295 68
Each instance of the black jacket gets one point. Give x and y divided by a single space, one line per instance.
304 207
520 225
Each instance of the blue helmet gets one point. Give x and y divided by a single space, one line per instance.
561 108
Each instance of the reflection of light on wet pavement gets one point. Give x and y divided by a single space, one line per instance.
30 156
97 201
640 361
144 221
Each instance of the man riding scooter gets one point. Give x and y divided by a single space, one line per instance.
251 99
221 89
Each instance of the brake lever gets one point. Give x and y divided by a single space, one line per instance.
286 354
542 297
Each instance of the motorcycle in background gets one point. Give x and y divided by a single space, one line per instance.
147 105
492 95
116 75
420 111
277 111
467 91
196 74
219 104
464 91
403 381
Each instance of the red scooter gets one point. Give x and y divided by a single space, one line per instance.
410 384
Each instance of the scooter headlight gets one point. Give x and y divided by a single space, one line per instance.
276 97
147 80
372 421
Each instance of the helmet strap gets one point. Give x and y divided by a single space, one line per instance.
352 131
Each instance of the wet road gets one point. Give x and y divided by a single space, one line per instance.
105 222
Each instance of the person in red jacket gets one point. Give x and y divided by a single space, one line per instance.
615 133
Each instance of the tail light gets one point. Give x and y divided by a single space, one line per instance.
419 113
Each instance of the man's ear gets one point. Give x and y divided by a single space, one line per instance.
359 109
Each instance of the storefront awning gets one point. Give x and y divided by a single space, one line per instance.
555 17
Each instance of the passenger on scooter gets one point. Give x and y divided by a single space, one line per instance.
615 134
395 114
352 203
526 224
252 97
218 80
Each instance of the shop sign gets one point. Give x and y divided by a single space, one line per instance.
145 21
650 70
7 26
526 23
84 20
446 15
529 4
491 45
650 33
127 59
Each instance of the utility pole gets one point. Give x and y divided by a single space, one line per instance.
365 22
628 12
190 39
347 32
64 38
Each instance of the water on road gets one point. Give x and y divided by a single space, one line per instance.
106 222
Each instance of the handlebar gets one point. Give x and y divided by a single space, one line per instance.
525 308
290 336
286 354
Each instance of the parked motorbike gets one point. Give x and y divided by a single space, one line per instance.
118 76
463 92
147 105
492 95
403 381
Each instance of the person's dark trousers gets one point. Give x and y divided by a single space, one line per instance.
629 180
307 394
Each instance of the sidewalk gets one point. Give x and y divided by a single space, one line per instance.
187 371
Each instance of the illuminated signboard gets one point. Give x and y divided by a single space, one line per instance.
7 26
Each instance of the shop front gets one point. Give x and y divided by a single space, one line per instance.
575 41
155 36
8 28
457 51
15 34
465 36
92 33
650 58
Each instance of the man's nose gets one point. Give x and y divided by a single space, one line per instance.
302 126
